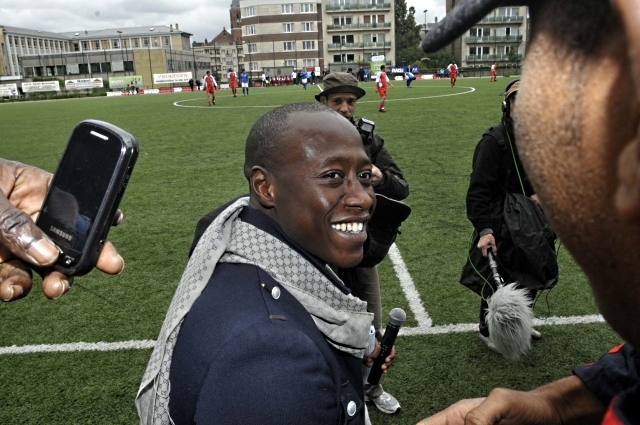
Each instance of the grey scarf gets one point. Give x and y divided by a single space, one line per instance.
342 319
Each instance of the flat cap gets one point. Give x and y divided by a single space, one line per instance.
340 82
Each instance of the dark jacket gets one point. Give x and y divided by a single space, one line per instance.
494 174
243 357
615 380
394 185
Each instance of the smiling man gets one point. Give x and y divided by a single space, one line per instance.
260 329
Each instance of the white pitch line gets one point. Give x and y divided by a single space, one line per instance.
78 346
409 288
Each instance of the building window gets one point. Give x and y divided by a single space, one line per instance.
253 48
343 39
479 32
342 20
166 40
287 8
341 2
85 45
307 26
115 43
253 66
95 45
288 27
248 11
309 63
145 41
306 8
250 30
373 38
135 42
308 45
290 62
508 11
289 45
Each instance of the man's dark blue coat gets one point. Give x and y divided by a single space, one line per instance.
244 357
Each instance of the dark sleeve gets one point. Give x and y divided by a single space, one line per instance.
613 373
269 374
485 182
394 185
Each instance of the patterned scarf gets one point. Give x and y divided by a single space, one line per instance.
342 319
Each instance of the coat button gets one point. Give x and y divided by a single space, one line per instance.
275 292
351 408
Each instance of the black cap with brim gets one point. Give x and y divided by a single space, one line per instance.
462 17
340 82
342 89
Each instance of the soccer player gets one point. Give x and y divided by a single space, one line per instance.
453 72
493 73
304 78
381 86
233 81
210 84
408 75
244 80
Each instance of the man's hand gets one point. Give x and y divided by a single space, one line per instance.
368 361
377 176
23 245
486 242
565 401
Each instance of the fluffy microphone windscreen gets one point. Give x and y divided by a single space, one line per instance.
510 321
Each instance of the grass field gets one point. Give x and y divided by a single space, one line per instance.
190 162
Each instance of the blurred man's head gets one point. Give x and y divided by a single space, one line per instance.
578 136
341 92
309 172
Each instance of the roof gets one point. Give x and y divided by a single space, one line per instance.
92 34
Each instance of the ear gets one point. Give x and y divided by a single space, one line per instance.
628 193
323 100
261 184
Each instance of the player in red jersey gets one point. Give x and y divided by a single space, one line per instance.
381 86
233 81
210 84
453 72
493 73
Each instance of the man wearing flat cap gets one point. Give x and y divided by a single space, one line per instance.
341 93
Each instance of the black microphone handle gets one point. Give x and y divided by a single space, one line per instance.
388 340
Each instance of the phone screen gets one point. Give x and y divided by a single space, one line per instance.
79 187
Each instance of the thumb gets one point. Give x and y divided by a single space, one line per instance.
20 235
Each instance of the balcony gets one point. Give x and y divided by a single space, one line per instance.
368 44
485 58
383 25
362 7
495 39
501 19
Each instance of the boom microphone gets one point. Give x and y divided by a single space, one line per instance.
509 316
397 317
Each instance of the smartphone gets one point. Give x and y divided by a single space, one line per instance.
85 192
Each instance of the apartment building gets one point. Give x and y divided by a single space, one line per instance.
357 30
499 37
224 52
279 36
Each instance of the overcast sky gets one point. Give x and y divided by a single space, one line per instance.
205 20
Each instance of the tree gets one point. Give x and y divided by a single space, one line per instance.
407 34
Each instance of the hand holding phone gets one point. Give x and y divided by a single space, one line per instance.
85 192
23 246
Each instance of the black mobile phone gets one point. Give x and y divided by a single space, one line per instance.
85 192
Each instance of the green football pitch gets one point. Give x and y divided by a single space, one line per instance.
79 359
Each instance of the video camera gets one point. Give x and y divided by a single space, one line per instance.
365 128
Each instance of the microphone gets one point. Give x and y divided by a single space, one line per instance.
509 316
397 317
